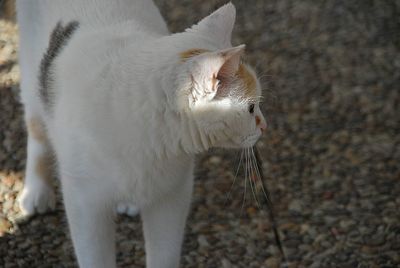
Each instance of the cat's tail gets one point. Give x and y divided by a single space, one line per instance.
59 38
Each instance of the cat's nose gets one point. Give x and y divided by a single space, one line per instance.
261 123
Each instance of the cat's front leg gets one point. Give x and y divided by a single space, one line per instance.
38 194
91 223
164 224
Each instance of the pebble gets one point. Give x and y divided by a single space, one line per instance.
4 226
215 160
272 262
226 263
295 205
375 240
202 240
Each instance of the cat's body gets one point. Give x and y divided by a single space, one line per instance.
125 107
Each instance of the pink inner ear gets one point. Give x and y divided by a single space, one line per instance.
231 65
226 73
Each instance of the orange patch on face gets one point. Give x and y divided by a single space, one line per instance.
44 168
249 81
258 120
185 55
36 129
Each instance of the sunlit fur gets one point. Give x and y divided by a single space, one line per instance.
224 120
128 115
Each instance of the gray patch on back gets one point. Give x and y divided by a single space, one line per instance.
58 39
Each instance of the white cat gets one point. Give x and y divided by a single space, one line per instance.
125 105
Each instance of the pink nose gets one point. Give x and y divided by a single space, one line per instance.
261 124
263 127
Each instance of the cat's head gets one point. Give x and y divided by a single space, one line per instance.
222 93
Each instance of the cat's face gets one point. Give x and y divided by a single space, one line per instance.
224 97
222 94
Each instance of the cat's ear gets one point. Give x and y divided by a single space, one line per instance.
218 26
212 73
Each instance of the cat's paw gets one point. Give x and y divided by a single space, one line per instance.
39 198
127 209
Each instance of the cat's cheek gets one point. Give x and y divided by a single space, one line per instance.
251 140
232 143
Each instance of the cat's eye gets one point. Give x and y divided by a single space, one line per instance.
251 108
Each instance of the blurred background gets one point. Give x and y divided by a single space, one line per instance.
330 72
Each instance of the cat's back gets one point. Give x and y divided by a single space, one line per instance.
38 19
45 14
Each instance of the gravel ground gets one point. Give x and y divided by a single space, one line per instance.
331 72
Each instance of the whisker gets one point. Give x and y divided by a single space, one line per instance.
253 182
259 169
260 175
234 179
264 76
245 180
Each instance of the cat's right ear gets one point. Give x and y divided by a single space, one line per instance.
218 26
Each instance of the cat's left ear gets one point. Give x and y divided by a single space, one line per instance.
213 73
218 26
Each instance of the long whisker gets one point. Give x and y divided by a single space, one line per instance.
258 176
234 179
259 169
252 182
245 179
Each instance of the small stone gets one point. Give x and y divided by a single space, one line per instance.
296 206
250 250
126 246
226 263
5 226
215 160
272 262
367 250
202 240
304 228
8 204
329 220
251 211
8 181
328 195
346 224
316 264
375 240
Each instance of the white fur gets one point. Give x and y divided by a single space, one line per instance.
124 125
37 193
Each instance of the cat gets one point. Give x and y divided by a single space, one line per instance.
123 106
